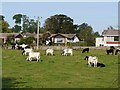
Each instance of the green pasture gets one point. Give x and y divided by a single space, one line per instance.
58 71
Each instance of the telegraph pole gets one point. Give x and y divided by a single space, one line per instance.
38 33
38 25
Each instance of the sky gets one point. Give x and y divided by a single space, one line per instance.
99 15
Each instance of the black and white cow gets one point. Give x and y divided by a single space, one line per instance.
67 51
85 50
117 51
111 50
91 60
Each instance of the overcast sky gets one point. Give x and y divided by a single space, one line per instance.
99 15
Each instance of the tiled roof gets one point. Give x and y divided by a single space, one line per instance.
111 33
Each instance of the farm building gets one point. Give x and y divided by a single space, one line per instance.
16 36
55 38
64 38
109 37
3 36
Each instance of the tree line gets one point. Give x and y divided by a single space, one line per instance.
58 23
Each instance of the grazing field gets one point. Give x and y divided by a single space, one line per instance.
58 71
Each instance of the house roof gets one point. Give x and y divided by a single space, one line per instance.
19 35
111 33
29 35
64 35
4 35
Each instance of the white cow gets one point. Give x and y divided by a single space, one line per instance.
27 50
49 51
92 60
67 51
32 55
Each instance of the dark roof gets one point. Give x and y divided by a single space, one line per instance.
111 33
19 36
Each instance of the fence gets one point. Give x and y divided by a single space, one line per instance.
73 47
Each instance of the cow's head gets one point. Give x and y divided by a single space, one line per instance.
86 57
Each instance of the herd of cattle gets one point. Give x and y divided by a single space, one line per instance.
91 60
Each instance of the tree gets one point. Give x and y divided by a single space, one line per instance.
97 34
5 25
32 26
16 28
17 18
25 24
59 24
86 33
10 39
2 17
29 40
45 36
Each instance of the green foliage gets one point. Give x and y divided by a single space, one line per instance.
29 25
4 26
32 26
73 44
86 33
59 24
10 39
45 37
97 34
17 18
16 28
83 44
28 40
2 17
25 23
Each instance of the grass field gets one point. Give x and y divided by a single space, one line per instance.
58 71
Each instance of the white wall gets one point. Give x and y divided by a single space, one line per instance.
111 44
59 39
74 41
100 41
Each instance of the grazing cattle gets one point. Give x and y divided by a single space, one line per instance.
117 51
110 51
91 60
35 55
112 47
27 50
13 46
67 52
85 50
49 51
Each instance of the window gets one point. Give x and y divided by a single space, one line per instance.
116 38
110 38
59 40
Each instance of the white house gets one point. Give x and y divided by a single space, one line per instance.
110 38
64 38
